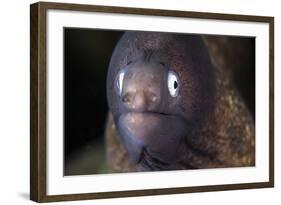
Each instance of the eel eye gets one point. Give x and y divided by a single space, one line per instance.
119 82
173 83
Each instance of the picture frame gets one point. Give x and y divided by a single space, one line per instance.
42 132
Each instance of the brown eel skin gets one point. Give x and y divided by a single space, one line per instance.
206 125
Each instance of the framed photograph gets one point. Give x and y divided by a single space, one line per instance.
134 102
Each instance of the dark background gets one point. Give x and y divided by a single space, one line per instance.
86 59
87 55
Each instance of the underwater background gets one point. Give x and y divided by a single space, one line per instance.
87 55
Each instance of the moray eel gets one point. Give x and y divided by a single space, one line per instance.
172 108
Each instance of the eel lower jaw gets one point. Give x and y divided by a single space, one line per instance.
141 156
158 134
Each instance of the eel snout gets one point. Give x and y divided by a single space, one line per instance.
142 87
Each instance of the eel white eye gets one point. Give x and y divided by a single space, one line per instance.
119 82
173 84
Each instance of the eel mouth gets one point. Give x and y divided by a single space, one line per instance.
152 139
139 117
140 130
143 124
145 114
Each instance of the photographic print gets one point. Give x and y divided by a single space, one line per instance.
150 101
135 102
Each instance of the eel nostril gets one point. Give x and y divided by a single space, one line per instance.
127 98
152 97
